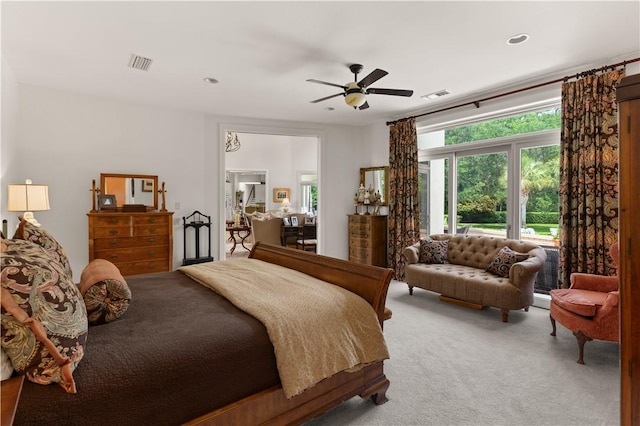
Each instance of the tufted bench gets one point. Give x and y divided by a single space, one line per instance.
464 277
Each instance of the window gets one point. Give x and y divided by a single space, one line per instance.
308 193
497 177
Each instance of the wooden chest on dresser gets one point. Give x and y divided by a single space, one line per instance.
368 239
137 243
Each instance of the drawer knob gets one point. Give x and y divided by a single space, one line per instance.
114 257
113 231
113 243
153 230
152 253
151 240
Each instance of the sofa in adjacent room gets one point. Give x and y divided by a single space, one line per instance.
477 271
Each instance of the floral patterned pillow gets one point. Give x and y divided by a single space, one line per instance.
44 320
432 251
504 259
29 232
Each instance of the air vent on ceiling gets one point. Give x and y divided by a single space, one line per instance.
140 63
436 95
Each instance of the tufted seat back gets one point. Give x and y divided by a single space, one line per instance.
478 251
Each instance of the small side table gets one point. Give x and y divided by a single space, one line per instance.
195 220
10 392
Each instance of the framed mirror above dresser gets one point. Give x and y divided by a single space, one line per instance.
376 178
131 189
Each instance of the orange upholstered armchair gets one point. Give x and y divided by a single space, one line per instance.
589 308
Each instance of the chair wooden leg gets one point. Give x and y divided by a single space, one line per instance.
553 325
582 339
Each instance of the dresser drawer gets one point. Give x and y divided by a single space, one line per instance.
150 230
360 242
115 243
111 220
359 253
150 220
112 231
133 254
135 268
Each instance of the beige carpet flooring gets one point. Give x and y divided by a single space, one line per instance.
452 365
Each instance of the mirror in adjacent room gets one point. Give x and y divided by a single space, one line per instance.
378 179
131 189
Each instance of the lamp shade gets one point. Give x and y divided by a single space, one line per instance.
27 197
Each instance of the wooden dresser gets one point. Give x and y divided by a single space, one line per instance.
368 239
137 243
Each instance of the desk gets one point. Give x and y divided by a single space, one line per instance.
236 231
294 232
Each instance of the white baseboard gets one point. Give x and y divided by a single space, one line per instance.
541 300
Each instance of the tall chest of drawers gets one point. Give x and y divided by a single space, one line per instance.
368 239
137 243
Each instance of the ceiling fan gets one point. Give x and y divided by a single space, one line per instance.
355 93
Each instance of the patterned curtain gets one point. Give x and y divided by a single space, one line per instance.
404 202
588 175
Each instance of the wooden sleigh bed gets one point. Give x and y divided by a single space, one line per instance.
170 360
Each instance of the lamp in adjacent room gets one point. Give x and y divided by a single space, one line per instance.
28 198
285 205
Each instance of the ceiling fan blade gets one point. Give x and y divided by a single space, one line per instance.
374 76
325 98
365 105
395 92
312 80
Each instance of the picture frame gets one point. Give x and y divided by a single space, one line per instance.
280 194
107 202
147 185
286 221
310 220
294 220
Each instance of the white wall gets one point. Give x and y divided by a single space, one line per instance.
282 156
9 132
65 140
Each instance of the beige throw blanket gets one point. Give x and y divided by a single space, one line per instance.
317 329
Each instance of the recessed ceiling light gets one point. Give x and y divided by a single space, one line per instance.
518 39
211 80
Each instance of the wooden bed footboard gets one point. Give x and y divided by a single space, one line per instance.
271 407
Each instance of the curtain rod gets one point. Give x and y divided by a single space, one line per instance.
524 89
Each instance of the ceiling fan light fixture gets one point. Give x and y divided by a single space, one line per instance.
355 96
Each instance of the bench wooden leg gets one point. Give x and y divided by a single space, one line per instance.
505 315
410 290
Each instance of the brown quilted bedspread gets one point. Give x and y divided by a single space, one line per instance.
179 351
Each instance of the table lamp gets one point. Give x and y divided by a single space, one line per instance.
285 205
28 198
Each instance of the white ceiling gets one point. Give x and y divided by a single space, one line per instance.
262 52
